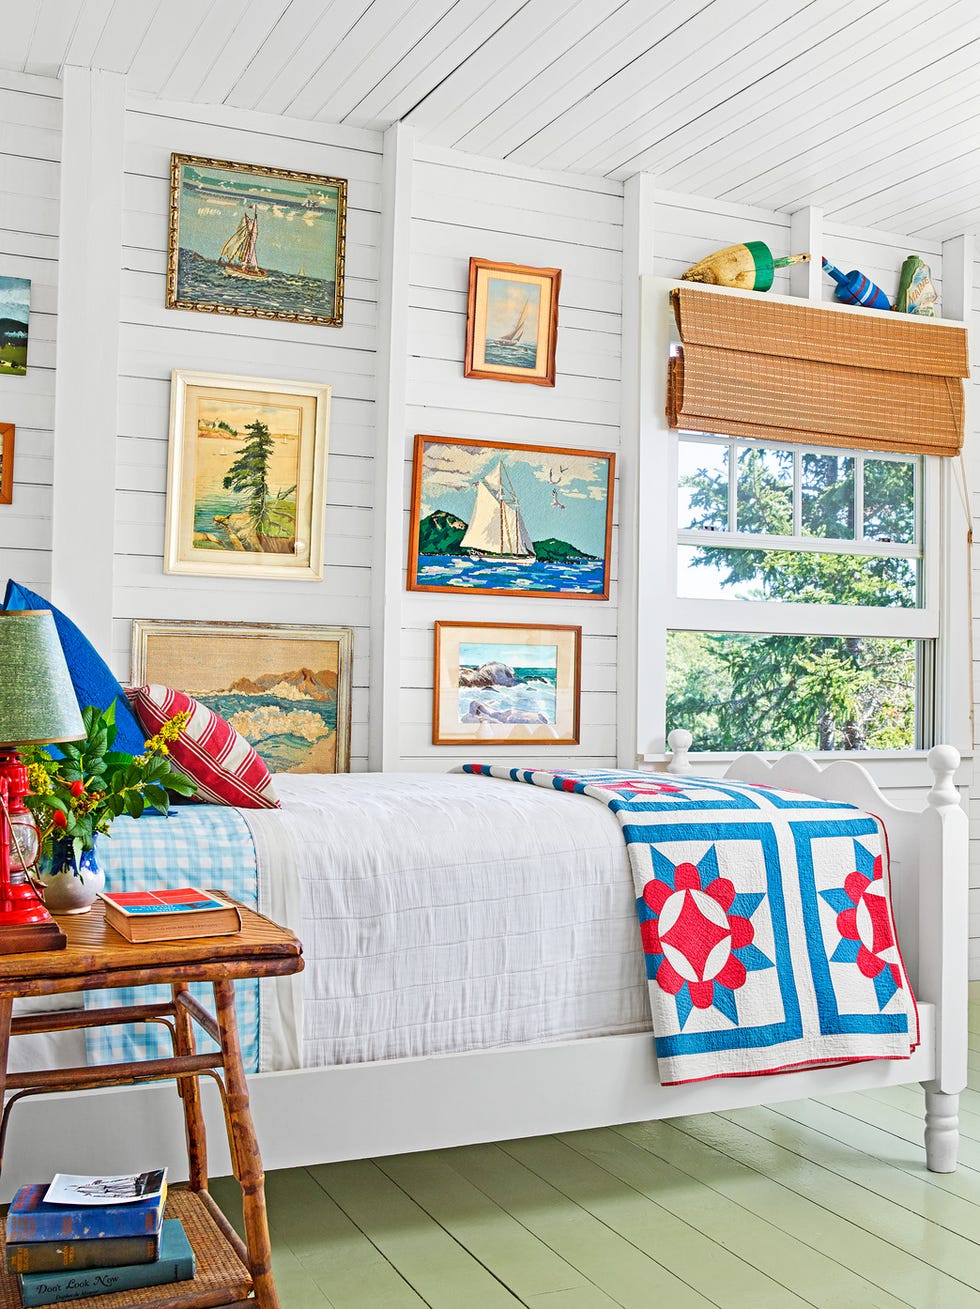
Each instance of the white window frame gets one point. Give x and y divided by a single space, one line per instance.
660 608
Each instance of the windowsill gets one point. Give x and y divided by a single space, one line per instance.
888 768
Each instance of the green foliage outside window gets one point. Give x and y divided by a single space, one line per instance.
736 691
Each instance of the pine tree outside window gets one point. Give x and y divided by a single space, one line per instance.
760 528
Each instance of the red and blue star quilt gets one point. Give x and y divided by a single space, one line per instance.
766 923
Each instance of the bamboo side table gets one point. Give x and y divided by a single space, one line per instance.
229 1272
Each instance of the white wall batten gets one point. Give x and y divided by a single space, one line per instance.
30 108
639 243
392 358
88 336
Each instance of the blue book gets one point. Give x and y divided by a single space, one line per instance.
32 1218
176 1264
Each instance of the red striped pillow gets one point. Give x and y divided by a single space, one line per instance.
209 750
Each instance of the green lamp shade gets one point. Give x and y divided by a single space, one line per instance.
37 702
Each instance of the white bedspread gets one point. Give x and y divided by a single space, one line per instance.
442 913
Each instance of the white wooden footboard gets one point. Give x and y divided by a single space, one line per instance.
360 1110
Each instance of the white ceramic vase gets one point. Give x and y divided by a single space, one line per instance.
70 888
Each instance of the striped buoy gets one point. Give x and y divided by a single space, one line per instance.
854 288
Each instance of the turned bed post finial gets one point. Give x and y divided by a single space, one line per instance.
943 760
680 749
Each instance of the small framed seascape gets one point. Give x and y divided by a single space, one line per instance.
512 322
286 688
246 482
505 519
15 312
6 463
506 683
264 242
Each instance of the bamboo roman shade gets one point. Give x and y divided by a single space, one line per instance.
797 373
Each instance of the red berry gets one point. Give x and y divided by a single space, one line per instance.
77 788
59 819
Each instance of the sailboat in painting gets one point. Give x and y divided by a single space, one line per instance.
237 257
513 337
497 530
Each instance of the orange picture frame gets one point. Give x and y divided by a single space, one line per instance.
512 322
506 684
6 463
556 502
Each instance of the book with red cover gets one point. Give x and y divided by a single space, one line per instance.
170 915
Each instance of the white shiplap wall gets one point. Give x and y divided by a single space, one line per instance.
465 206
30 151
153 340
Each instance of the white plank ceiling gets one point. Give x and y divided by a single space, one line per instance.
867 108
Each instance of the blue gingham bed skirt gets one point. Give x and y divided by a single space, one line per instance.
207 846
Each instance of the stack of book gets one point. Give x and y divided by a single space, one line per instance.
82 1236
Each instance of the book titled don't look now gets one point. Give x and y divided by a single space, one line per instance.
170 915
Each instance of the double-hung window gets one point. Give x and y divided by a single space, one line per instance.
800 615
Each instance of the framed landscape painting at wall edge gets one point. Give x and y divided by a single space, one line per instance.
264 242
500 518
512 322
506 684
246 480
15 312
6 463
284 686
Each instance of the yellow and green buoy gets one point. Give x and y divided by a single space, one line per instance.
749 267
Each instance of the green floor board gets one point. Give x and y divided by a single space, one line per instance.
626 1274
645 1216
442 1273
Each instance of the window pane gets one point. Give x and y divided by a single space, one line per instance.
889 500
764 493
702 485
796 576
739 692
827 483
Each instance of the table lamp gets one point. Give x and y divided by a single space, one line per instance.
37 707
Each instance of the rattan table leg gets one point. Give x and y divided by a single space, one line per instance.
245 1155
189 1089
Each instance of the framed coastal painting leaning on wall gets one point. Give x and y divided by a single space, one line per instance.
285 687
247 476
264 242
508 519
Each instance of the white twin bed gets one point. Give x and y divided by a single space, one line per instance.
474 972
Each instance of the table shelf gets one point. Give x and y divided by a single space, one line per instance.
220 1276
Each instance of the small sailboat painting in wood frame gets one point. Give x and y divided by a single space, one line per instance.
512 322
263 242
507 519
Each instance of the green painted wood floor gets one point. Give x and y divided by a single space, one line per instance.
818 1202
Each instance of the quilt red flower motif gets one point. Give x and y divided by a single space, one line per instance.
697 935
865 925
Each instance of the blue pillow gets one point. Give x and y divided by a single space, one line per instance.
91 676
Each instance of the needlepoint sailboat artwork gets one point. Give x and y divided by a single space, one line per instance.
497 531
237 257
258 241
510 519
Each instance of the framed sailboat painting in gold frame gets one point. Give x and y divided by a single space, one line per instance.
497 518
512 322
264 242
